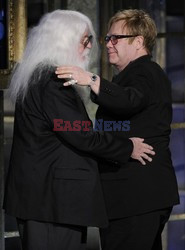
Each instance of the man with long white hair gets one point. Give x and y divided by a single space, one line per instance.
53 188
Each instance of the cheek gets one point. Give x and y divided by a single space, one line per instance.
123 51
81 50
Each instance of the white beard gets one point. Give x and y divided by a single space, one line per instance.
84 91
83 62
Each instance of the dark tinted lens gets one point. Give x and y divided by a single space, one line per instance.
88 40
107 39
114 40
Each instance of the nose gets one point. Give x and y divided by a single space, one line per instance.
89 45
109 44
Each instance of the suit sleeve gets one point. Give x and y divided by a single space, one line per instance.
60 103
128 98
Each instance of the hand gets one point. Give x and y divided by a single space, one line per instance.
141 150
80 76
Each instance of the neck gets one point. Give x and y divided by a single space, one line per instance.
140 54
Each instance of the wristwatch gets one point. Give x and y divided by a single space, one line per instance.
93 79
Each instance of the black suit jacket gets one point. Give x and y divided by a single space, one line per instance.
49 179
141 94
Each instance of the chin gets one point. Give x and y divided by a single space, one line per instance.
112 58
112 61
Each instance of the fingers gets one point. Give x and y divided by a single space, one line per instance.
143 155
147 146
137 139
141 150
140 159
149 151
71 82
146 157
65 72
66 69
66 75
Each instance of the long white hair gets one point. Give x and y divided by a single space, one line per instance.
53 42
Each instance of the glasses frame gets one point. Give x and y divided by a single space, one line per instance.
117 37
87 41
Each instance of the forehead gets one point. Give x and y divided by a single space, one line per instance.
118 27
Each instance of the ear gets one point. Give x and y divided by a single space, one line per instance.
139 42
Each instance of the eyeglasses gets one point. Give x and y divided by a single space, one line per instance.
114 38
87 40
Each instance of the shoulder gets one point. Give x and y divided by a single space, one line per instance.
146 66
44 79
43 75
46 86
